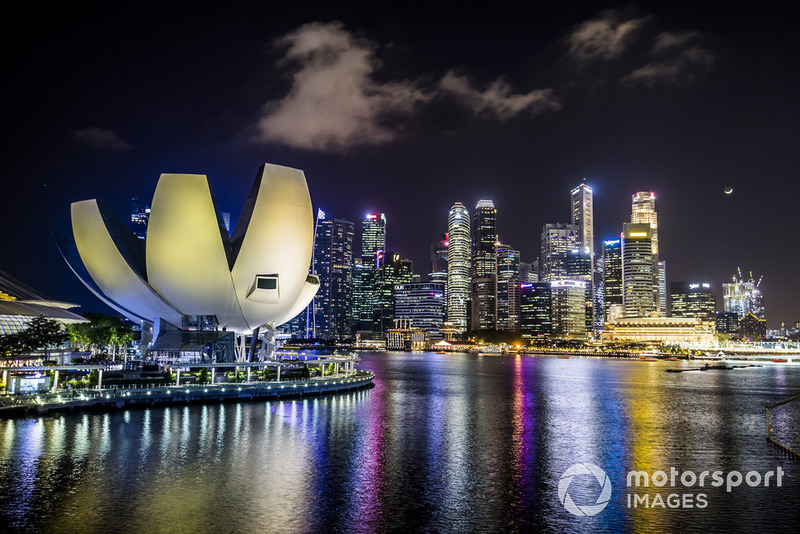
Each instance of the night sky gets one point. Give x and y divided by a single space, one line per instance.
406 108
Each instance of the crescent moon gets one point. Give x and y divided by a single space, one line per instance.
728 191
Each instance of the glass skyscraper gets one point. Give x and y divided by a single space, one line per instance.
459 272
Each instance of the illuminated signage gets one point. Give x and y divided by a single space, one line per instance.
372 216
637 234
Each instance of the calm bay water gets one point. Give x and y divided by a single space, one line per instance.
442 443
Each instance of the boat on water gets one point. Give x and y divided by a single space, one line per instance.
644 358
780 360
671 359
564 356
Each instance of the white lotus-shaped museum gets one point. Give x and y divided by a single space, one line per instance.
188 265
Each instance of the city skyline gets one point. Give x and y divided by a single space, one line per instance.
518 105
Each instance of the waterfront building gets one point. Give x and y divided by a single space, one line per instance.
693 299
557 240
639 277
333 264
438 268
16 315
579 267
643 211
394 270
251 281
422 306
752 328
484 237
567 309
743 296
484 266
373 247
508 278
459 270
612 276
598 294
484 303
669 330
535 314
661 273
728 323
582 217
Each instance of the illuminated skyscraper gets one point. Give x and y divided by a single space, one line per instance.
567 308
507 288
643 210
639 277
582 216
373 246
693 299
557 240
743 296
333 263
422 305
373 238
535 309
579 267
484 266
394 270
612 279
140 214
484 237
459 272
438 268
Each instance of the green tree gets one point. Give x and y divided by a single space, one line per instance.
40 333
203 376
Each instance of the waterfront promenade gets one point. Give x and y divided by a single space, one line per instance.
140 396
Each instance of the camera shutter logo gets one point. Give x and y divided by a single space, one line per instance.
588 509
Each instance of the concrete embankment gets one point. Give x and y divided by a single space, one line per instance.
115 399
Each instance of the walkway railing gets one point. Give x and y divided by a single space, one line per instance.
785 448
152 390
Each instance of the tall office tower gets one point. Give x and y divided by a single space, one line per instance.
612 279
743 296
693 299
459 272
422 305
438 268
508 278
643 210
393 271
373 238
567 309
373 245
639 277
661 272
598 295
140 215
484 237
534 310
333 263
484 266
582 216
557 240
528 272
579 267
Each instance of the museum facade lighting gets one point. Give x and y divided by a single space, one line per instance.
189 266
